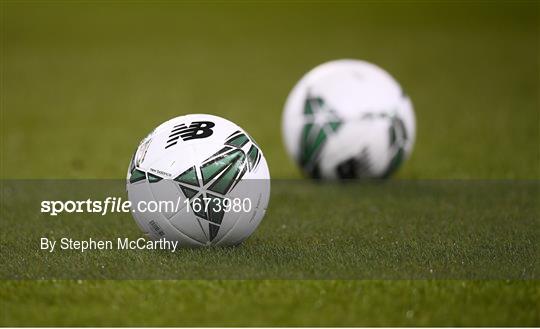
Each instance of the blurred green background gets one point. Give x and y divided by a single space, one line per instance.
82 83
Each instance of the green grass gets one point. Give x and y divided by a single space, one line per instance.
83 83
256 303
79 95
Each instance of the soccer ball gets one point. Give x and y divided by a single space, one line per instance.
348 119
200 180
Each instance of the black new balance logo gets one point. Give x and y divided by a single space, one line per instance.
197 129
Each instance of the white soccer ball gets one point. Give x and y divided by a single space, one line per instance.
198 179
348 119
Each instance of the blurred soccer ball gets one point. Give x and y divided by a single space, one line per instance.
348 119
213 173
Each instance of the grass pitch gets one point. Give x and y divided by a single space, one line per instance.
83 83
258 303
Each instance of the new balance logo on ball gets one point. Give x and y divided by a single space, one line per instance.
197 129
